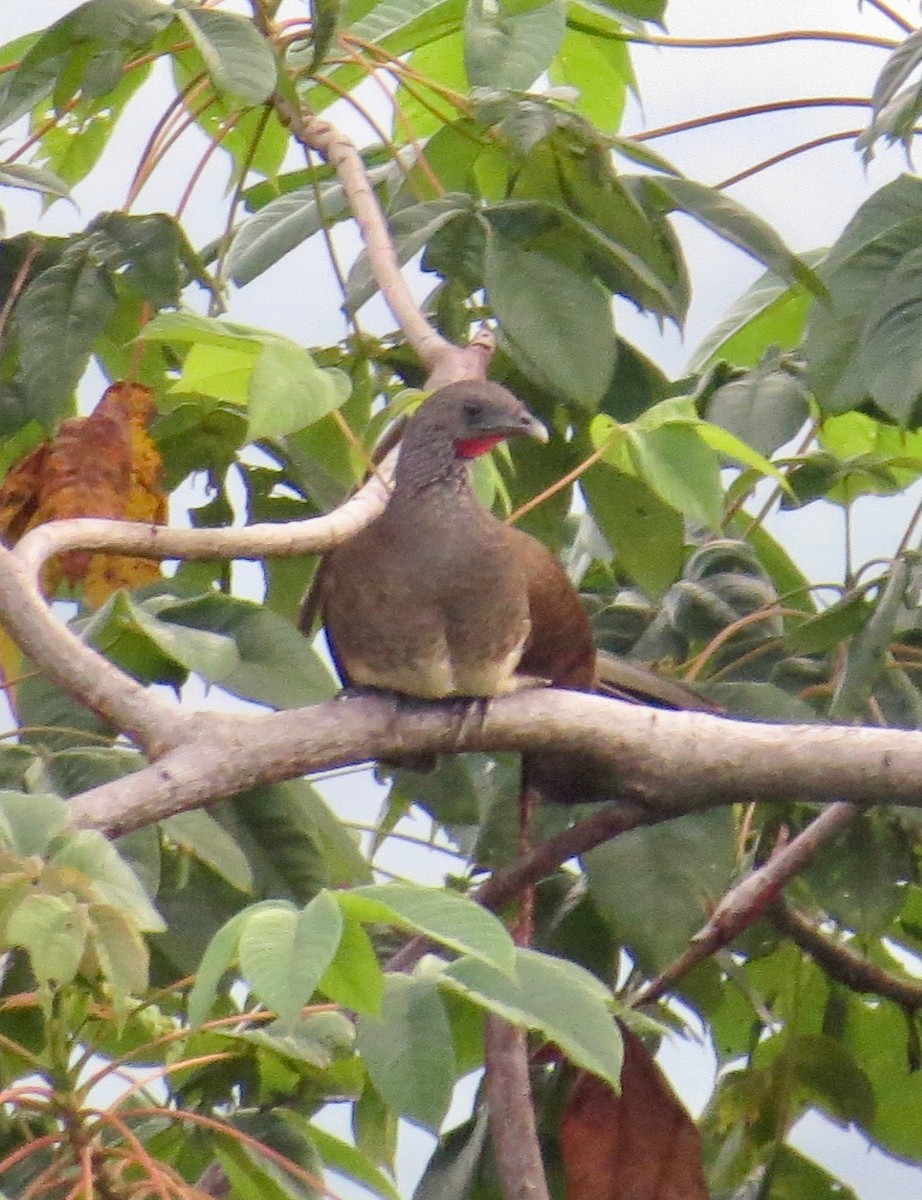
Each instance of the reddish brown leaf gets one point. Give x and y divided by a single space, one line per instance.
19 494
104 465
641 1145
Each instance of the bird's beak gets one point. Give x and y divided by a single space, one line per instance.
536 430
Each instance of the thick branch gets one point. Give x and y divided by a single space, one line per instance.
671 762
152 722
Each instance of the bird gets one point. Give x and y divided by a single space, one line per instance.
438 598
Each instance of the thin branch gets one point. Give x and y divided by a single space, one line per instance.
752 110
314 133
764 39
516 1149
791 152
313 536
843 964
895 17
751 898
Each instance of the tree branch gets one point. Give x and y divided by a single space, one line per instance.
668 762
292 538
751 897
516 1149
842 963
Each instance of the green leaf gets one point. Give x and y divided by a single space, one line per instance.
557 319
113 882
860 879
402 25
53 933
446 917
121 951
876 1034
29 822
895 111
354 979
96 35
770 313
857 272
657 886
218 957
288 391
888 358
34 179
282 225
200 835
502 50
134 636
276 664
736 224
408 1050
765 408
224 372
728 445
150 252
601 72
681 468
284 954
441 61
836 624
285 222
238 58
646 534
180 328
796 1177
319 1039
459 1161
347 1160
557 998
66 307
297 843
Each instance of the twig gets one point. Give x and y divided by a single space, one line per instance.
504 885
751 110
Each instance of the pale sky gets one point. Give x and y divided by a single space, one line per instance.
808 199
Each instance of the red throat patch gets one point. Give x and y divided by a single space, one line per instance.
474 447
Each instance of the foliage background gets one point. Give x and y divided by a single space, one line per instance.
786 202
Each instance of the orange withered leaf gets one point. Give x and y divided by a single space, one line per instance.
19 494
639 1145
103 465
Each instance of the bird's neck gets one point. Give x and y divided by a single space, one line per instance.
424 469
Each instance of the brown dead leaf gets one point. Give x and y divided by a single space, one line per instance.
641 1145
19 494
103 465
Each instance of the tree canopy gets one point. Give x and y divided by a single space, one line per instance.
200 952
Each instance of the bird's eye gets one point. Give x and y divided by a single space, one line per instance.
473 411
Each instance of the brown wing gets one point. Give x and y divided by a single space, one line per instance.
560 646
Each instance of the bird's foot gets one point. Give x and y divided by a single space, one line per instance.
472 712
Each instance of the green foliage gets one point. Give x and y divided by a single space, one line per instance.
529 208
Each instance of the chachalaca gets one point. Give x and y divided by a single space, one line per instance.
438 598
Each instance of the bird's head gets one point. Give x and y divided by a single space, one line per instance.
472 417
